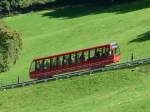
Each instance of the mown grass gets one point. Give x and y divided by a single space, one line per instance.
54 31
116 91
59 30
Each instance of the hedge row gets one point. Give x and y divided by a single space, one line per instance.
10 45
9 5
6 6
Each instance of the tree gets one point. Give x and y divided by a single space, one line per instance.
10 45
5 6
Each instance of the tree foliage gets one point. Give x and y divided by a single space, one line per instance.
10 45
7 6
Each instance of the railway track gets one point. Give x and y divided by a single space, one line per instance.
79 73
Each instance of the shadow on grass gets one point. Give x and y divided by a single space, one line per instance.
70 12
142 38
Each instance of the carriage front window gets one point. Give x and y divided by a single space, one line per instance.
32 67
117 51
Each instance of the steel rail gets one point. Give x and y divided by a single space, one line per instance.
79 73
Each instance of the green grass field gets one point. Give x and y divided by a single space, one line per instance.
116 91
55 31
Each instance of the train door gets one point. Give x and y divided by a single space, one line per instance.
116 52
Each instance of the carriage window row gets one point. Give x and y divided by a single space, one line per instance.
72 58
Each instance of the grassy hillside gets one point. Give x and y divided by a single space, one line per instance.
117 91
53 31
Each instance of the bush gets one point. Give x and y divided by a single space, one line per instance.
10 45
4 6
7 6
10 5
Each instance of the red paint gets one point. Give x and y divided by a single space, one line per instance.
92 63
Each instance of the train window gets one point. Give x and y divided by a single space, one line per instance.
92 54
65 60
54 62
95 51
77 57
58 62
86 55
39 65
117 51
110 52
81 57
70 59
51 62
73 58
107 51
32 67
98 52
46 64
104 52
89 52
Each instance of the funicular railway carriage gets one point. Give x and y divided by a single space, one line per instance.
72 61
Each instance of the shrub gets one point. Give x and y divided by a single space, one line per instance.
7 6
10 45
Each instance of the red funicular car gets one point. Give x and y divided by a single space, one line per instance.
89 58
